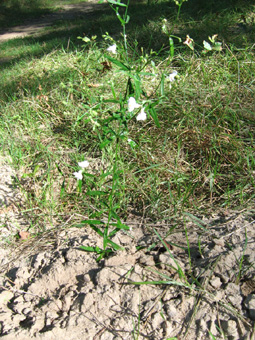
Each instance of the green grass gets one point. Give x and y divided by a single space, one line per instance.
200 159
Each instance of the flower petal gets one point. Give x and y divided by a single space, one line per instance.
78 175
112 49
172 76
142 115
132 104
83 164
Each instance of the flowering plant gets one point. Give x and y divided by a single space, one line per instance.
113 131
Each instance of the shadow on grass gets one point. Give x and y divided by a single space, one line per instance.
231 20
15 12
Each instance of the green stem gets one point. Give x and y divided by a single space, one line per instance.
124 29
178 13
116 157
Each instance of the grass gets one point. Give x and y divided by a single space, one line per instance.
201 157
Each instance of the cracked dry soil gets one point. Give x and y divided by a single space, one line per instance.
60 292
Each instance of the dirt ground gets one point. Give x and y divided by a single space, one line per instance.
56 291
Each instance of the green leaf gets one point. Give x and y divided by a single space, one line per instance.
118 63
171 43
114 101
121 20
105 236
92 222
116 3
119 227
105 174
86 174
86 39
62 191
79 184
217 46
97 230
59 170
212 336
91 249
147 74
123 226
162 85
105 143
154 115
197 221
207 46
104 254
114 245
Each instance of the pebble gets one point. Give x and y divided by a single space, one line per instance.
215 282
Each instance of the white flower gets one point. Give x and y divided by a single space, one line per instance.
112 49
131 143
142 115
172 76
132 104
78 175
83 164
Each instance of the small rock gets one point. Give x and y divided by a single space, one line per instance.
219 295
230 328
224 278
250 305
219 242
215 282
236 301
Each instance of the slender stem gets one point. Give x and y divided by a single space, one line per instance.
178 13
116 157
124 29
